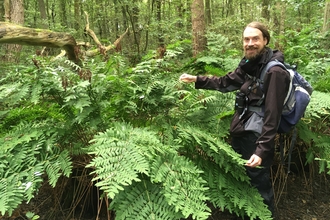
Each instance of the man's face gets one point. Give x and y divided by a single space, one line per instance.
253 42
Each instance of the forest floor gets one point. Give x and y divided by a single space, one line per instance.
303 195
299 200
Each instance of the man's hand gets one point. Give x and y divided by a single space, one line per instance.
254 161
188 78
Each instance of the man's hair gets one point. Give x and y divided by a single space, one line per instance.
262 28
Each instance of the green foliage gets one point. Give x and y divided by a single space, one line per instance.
304 45
144 197
159 147
124 155
25 155
315 130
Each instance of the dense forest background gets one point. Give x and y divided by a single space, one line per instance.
94 122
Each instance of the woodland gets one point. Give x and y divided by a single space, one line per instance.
94 123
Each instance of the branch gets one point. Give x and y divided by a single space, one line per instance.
91 32
16 34
91 53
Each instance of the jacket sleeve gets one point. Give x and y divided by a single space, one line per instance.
230 82
276 85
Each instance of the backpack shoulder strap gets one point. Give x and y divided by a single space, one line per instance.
269 65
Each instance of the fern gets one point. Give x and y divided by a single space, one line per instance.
183 186
143 200
117 161
24 158
123 154
318 138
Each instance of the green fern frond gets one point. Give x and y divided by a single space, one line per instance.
143 200
11 194
182 184
117 160
319 105
24 158
220 151
224 172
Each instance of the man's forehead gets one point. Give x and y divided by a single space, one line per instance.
251 32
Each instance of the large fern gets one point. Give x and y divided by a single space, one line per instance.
25 157
137 152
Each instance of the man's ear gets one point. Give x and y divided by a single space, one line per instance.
265 39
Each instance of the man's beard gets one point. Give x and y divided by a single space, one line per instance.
256 54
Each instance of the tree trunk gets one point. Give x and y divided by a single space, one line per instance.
77 15
43 14
63 14
6 6
208 12
16 17
326 20
116 19
198 26
265 9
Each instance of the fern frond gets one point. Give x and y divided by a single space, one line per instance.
11 194
183 186
143 200
117 160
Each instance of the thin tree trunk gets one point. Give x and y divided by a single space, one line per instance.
77 14
265 9
63 13
16 17
326 18
198 26
43 14
116 21
208 12
150 13
6 6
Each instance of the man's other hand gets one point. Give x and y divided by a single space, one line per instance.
254 161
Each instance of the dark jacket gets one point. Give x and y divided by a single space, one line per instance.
275 88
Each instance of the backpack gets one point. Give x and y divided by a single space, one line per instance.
297 98
294 107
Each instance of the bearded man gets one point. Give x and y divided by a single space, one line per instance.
253 131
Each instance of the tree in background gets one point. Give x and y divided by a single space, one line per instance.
15 14
198 26
326 18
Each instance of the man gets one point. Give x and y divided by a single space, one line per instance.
258 108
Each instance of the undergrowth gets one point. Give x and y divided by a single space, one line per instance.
156 147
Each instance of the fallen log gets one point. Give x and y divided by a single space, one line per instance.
16 34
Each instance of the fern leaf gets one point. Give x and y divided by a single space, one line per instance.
143 200
182 185
117 160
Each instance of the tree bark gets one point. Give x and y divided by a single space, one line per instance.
326 20
43 14
16 34
6 5
198 26
208 12
16 17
